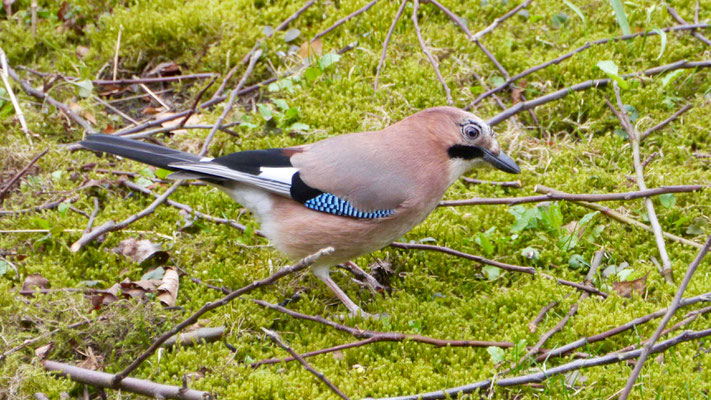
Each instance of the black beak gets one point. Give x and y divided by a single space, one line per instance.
502 162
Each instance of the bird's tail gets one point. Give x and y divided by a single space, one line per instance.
147 153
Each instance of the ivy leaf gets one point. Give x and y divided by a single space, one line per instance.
667 199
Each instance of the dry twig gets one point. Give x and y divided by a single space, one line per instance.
649 346
275 337
664 123
4 74
680 20
386 41
423 45
303 264
634 137
511 184
19 175
345 19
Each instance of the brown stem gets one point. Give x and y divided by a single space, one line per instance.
664 123
340 347
134 81
649 347
512 184
132 385
680 20
533 325
423 46
386 41
46 206
19 175
564 57
345 19
275 337
303 264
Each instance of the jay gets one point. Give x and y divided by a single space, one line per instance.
356 192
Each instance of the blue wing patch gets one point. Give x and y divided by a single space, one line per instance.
328 203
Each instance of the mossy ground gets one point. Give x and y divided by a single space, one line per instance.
436 295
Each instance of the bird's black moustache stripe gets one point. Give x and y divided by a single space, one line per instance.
465 152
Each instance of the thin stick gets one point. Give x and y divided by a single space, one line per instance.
345 19
161 79
92 216
131 385
665 122
504 266
550 372
303 264
648 348
34 340
116 53
512 184
33 18
386 41
597 260
231 102
552 194
582 48
20 115
680 20
383 336
639 172
189 209
431 59
111 226
533 325
619 217
275 337
46 206
19 175
706 297
155 96
196 102
115 110
340 347
501 19
594 83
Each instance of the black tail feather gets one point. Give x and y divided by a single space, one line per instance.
146 153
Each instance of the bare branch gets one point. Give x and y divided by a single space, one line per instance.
275 337
19 174
131 385
680 20
303 264
511 184
501 19
134 81
345 19
435 64
649 347
4 73
665 122
386 41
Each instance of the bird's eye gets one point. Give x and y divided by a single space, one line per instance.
472 131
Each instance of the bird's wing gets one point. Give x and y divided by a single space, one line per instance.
341 177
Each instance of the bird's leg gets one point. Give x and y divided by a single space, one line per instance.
323 273
370 281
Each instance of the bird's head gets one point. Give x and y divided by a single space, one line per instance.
468 139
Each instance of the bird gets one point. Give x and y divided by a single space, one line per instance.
355 192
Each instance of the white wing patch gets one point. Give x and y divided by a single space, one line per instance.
264 182
283 174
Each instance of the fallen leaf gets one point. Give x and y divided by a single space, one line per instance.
311 49
168 289
625 288
141 250
291 34
92 361
82 51
517 95
152 110
35 281
42 351
164 68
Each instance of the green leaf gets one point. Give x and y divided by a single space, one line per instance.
281 104
667 199
577 261
485 243
162 173
496 353
576 10
624 274
497 80
312 73
491 272
527 220
587 218
155 274
530 253
610 68
148 173
622 133
663 37
299 127
621 16
4 267
265 111
558 20
631 112
327 60
63 208
671 77
57 175
143 182
84 88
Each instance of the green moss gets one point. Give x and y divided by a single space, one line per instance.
435 295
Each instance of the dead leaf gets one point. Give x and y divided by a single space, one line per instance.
35 281
42 351
82 51
164 68
625 288
63 10
152 110
168 289
311 49
141 250
109 129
